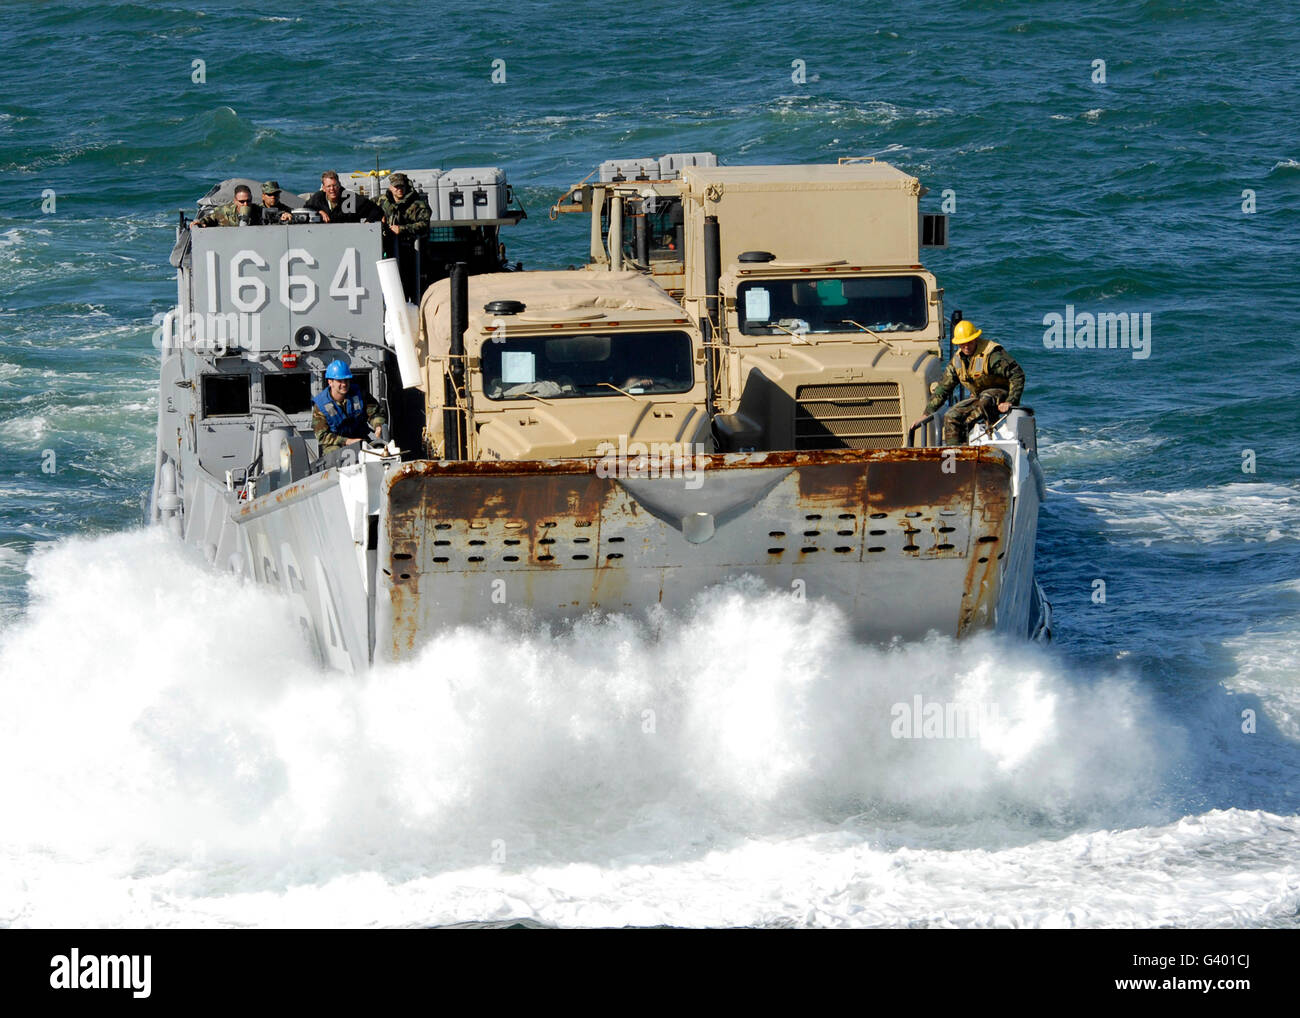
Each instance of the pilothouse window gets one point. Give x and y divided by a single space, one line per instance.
225 395
879 303
290 392
565 367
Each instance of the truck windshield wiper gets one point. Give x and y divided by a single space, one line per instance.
611 385
874 335
544 402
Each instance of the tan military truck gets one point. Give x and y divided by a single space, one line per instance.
824 334
560 364
826 330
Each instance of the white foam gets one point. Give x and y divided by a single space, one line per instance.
1266 668
175 756
1243 511
1060 453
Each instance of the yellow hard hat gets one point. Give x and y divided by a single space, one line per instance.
965 332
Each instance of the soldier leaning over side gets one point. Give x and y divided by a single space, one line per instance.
341 414
338 206
987 371
231 213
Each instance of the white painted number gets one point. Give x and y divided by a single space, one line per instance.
289 281
212 282
250 289
345 285
240 282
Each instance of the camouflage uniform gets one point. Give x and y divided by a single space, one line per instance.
228 215
271 213
412 213
990 372
329 439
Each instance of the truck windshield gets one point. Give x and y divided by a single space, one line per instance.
881 303
591 364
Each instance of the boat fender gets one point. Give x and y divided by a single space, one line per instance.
400 322
168 500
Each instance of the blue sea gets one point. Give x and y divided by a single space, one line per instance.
172 756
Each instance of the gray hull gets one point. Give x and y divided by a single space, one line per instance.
377 556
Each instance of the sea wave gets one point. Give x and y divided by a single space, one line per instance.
1248 512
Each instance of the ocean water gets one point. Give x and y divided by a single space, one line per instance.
735 765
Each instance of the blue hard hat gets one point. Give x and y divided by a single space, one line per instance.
338 369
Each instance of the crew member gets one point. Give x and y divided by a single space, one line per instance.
341 415
338 206
239 212
406 220
406 212
272 211
988 372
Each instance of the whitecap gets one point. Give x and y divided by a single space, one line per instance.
1244 511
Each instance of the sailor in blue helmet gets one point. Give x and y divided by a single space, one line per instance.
341 414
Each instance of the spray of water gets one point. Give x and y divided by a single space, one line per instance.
166 727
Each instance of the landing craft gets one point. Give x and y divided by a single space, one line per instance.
776 386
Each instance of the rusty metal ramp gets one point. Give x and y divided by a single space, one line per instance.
905 541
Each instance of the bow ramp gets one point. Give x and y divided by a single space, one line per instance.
906 541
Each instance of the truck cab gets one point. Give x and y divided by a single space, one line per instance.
546 365
824 329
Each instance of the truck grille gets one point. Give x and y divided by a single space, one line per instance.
865 416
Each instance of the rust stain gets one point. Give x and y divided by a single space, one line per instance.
990 517
832 484
513 499
551 513
713 461
562 501
932 482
